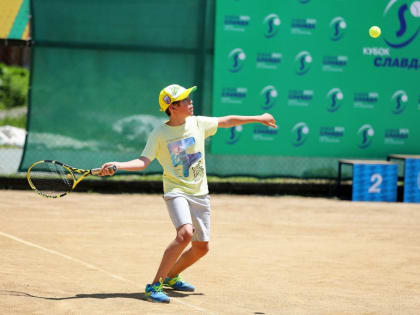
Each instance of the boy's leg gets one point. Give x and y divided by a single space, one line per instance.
185 210
179 212
200 215
172 252
189 257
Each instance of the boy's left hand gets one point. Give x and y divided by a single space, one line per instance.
268 120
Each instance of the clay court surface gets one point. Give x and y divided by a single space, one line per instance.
93 254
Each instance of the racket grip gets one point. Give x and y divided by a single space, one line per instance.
96 171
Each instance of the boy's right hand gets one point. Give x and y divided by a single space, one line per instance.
107 169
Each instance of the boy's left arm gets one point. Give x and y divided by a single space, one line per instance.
233 120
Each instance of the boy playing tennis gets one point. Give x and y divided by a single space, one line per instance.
178 145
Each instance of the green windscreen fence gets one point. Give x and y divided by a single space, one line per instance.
98 67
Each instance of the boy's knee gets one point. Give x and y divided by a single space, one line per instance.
185 233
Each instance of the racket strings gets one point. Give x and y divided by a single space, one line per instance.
51 179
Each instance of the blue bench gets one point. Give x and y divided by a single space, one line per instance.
411 175
373 180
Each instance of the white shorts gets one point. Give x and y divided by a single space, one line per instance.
186 209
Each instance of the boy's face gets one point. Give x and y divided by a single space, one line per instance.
184 107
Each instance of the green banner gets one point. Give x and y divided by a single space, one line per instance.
334 90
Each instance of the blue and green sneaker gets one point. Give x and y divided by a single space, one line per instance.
177 283
154 293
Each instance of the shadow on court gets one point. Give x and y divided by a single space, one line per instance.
135 296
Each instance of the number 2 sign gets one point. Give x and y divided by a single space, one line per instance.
375 182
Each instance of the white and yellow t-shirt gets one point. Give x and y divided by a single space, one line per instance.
180 151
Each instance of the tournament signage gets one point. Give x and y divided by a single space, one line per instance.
334 90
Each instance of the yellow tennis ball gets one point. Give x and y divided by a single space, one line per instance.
374 31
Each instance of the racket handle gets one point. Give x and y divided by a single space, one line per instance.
96 171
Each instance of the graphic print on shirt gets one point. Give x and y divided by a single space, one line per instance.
179 155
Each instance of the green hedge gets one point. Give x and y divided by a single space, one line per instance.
13 86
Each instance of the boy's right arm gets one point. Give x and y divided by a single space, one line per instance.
139 164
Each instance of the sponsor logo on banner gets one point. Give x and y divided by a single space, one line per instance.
304 1
365 133
334 63
337 28
396 136
301 133
365 100
402 63
383 59
272 22
402 19
331 134
269 95
300 97
234 95
391 62
234 135
236 23
376 51
335 98
403 23
303 26
237 59
264 133
269 60
303 61
399 100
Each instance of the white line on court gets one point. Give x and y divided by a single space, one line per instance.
51 251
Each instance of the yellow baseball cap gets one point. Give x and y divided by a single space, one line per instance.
173 93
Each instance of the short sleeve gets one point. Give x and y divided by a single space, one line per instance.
150 150
208 124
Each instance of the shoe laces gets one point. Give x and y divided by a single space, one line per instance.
158 287
178 278
174 280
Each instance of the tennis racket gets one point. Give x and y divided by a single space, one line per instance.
53 179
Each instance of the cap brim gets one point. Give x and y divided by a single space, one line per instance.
185 94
